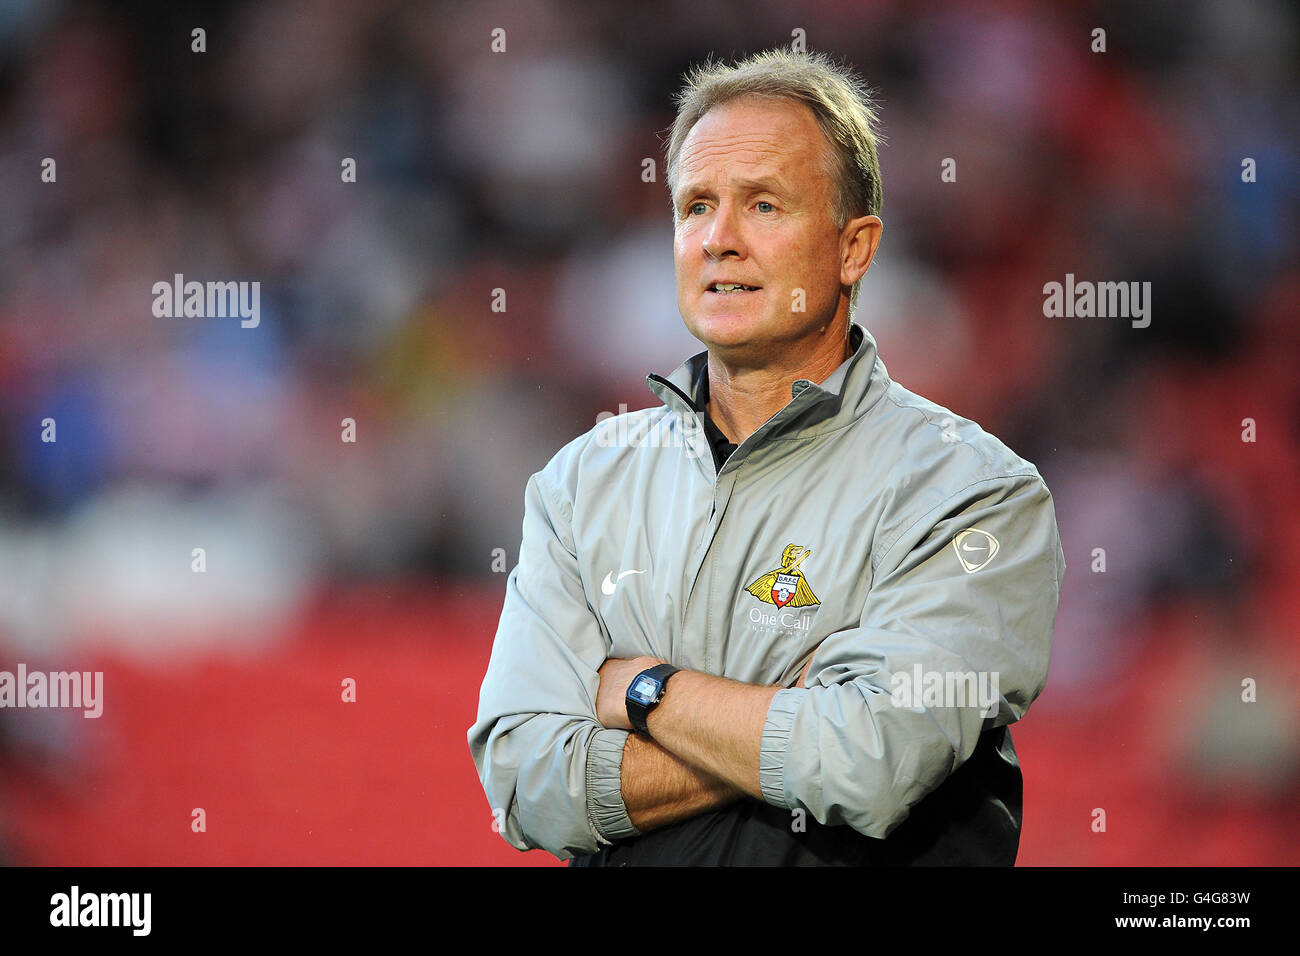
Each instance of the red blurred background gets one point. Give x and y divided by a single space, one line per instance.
384 560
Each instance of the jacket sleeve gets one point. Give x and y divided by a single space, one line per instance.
864 742
550 770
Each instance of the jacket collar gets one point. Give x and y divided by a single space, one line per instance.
813 409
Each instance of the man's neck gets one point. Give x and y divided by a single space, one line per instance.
742 399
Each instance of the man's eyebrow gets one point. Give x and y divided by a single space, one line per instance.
772 184
762 184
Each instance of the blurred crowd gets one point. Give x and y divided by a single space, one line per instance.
522 171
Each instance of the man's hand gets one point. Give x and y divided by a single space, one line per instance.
616 676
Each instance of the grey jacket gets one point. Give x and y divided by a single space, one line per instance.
902 547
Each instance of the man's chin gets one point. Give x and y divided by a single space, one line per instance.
729 331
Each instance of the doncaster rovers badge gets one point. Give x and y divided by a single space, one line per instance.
785 586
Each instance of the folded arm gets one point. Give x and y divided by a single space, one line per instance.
550 770
851 748
659 788
704 751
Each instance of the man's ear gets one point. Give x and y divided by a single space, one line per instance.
858 243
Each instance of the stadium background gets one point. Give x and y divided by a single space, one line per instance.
523 171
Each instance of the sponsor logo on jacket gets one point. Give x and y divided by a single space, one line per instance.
786 585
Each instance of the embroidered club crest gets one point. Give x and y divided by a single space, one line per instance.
785 586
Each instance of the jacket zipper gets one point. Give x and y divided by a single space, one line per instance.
712 531
690 402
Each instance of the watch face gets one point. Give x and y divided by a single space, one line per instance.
644 690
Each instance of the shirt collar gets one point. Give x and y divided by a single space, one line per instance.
719 443
847 393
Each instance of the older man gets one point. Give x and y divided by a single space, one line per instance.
786 616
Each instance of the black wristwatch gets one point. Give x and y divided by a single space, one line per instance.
645 692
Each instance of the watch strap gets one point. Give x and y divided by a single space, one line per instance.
637 712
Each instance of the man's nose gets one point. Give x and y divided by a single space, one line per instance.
723 236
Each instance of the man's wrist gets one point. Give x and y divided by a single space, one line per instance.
660 788
715 724
644 694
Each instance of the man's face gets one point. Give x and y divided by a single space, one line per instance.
753 205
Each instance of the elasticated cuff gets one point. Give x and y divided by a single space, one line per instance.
776 742
605 808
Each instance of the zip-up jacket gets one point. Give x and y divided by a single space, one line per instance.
909 554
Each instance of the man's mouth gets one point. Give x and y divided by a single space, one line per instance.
728 288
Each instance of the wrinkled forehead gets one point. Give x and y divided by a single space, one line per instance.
753 139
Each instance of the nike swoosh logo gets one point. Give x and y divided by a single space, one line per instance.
980 554
607 585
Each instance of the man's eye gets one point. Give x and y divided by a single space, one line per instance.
696 208
765 206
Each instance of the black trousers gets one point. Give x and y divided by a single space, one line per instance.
971 819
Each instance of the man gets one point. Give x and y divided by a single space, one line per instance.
748 626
